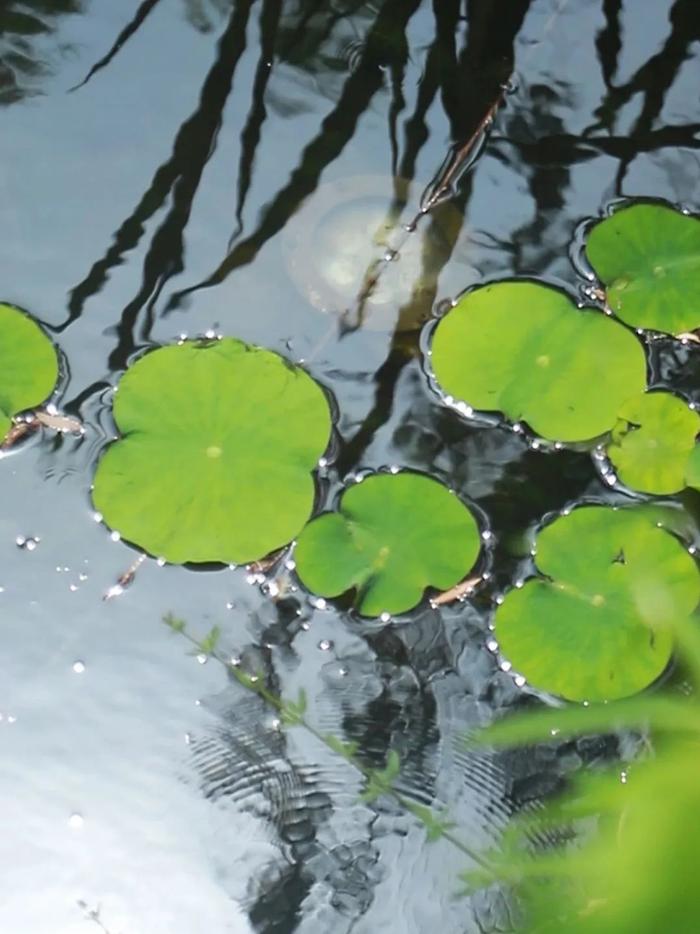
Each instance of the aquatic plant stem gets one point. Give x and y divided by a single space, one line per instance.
293 714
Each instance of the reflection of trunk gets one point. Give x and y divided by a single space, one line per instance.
335 132
472 92
124 36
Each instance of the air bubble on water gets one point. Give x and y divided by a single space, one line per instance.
358 478
465 409
505 666
449 400
385 617
394 469
322 462
486 535
305 626
566 511
160 562
517 428
235 661
499 599
623 777
78 667
691 551
325 645
692 406
554 732
272 589
230 605
535 445
73 588
188 738
486 575
586 703
390 255
202 658
97 516
182 337
290 564
210 334
115 536
558 446
232 567
520 681
342 672
76 821
519 584
82 576
28 543
319 603
253 678
639 331
492 645
611 479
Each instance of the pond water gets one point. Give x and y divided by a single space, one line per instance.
161 169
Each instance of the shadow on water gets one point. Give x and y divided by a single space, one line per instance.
408 88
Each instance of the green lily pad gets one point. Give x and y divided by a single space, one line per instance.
692 470
392 537
648 258
28 365
652 442
598 627
525 350
218 443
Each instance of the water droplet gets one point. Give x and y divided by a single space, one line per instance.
322 462
160 562
325 645
82 576
492 645
27 543
623 777
202 658
319 603
230 605
115 536
76 821
78 667
505 666
394 468
290 564
499 599
487 535
97 516
520 681
385 617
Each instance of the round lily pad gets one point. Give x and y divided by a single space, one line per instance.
218 443
599 626
648 258
28 365
524 349
392 537
652 442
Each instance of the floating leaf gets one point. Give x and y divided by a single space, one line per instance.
218 443
692 475
598 627
28 365
648 257
653 441
524 349
393 536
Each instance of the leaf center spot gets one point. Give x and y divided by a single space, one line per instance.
543 360
214 451
598 600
